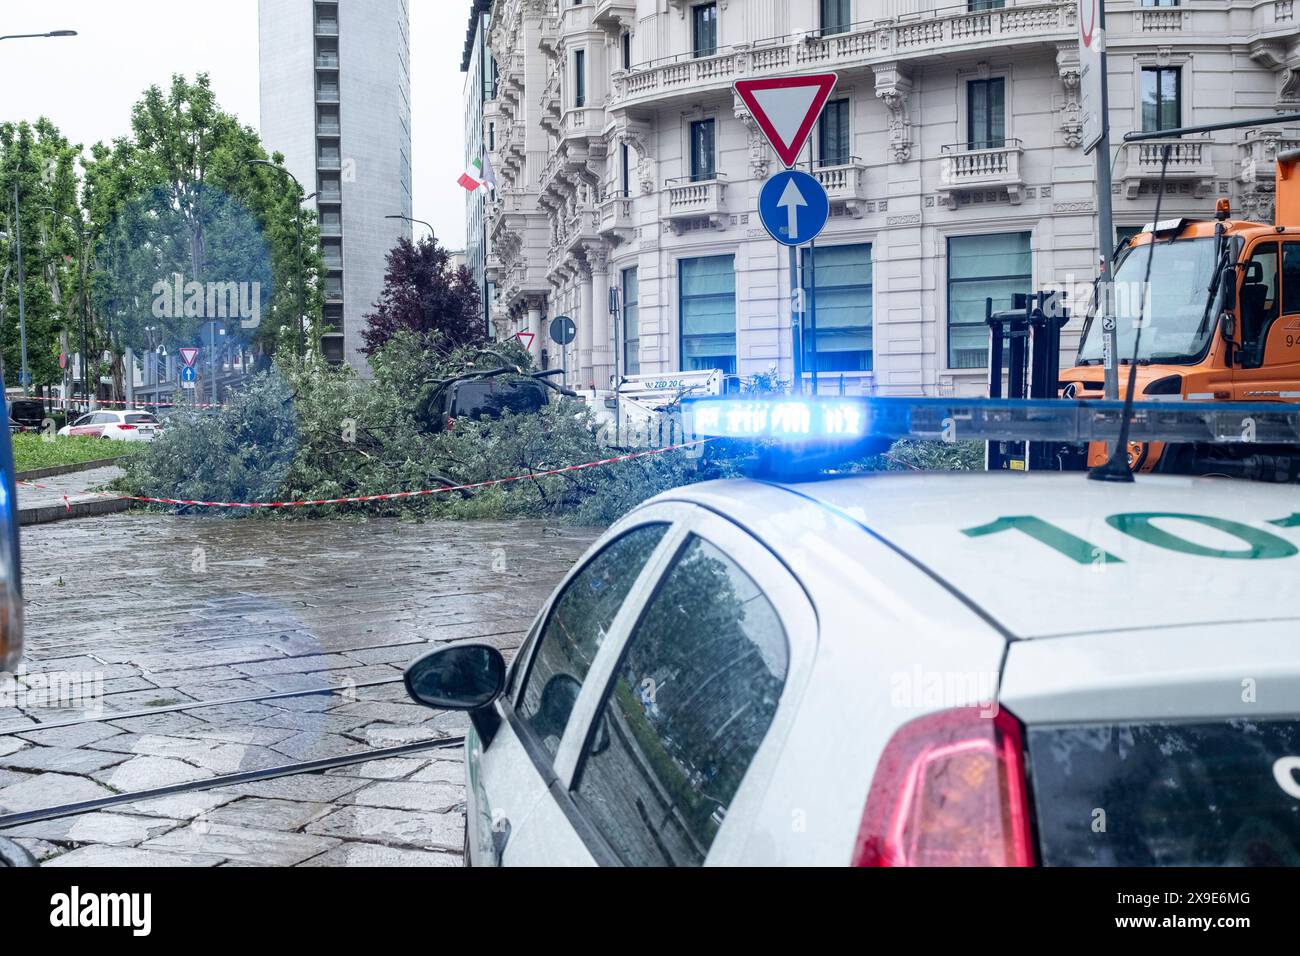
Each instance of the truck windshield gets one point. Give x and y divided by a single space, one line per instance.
1175 306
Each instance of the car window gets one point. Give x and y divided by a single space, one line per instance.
691 701
83 420
141 419
105 418
578 622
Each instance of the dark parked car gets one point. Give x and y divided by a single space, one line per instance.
28 414
487 393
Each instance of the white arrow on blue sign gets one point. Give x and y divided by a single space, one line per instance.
188 374
793 207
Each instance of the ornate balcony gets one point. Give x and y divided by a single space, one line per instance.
965 169
690 200
582 123
845 185
614 16
582 226
1190 160
1020 25
616 217
1161 19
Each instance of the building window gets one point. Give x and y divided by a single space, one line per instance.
492 137
702 165
976 5
836 16
580 79
981 268
1159 3
626 170
833 134
986 124
631 324
704 31
708 313
1162 98
843 301
627 51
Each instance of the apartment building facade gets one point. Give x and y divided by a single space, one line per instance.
480 87
336 101
951 153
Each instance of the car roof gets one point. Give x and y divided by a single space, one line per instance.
1098 578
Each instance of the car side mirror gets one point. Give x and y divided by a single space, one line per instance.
468 677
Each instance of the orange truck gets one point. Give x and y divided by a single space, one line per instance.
1221 322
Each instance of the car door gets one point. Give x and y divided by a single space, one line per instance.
1269 367
85 425
509 780
675 735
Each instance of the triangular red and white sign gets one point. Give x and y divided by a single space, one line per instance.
786 109
526 338
188 355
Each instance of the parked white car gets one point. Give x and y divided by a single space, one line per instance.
902 669
124 426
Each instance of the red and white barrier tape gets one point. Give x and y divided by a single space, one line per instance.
391 496
138 404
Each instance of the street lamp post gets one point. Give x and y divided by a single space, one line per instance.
302 280
428 226
39 36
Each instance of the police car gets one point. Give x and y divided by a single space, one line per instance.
902 670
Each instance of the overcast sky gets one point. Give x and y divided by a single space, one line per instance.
88 83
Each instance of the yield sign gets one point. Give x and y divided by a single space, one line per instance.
188 355
786 109
526 338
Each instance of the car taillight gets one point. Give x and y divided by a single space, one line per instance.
949 790
126 428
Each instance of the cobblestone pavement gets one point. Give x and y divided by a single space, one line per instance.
166 610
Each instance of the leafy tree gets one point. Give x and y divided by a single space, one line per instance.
178 197
38 160
423 294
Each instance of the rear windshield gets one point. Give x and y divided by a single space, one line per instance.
1208 794
491 398
141 419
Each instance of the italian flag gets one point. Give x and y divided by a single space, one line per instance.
478 176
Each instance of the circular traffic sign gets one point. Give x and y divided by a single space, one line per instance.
563 331
793 207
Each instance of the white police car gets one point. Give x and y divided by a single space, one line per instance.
898 669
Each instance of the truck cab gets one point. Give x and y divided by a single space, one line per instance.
1221 320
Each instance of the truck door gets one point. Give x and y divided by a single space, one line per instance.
1269 359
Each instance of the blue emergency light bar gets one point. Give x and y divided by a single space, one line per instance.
842 422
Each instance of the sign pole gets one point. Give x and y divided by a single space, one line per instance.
796 319
812 311
1105 226
793 205
1094 90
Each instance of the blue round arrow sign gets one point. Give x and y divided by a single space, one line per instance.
793 207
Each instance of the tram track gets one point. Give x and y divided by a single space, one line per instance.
318 765
194 705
